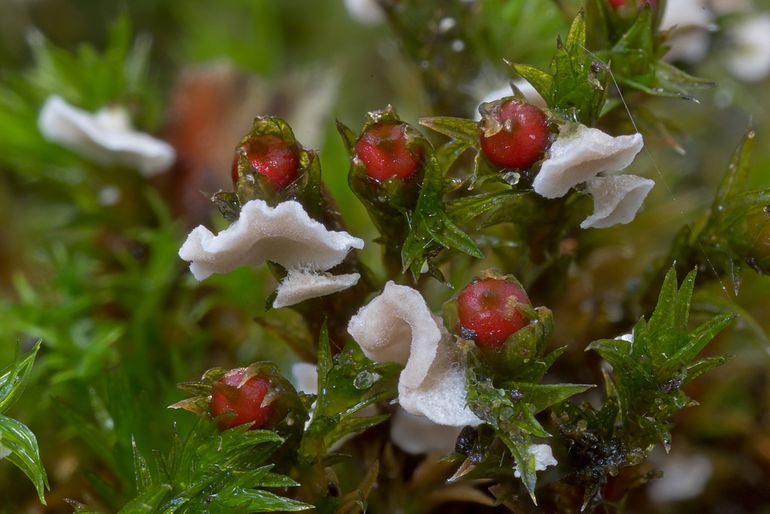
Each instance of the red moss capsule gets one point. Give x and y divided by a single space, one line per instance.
522 139
271 157
489 311
239 402
383 151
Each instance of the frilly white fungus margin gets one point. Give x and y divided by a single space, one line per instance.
749 58
543 458
105 137
284 234
397 326
413 434
418 434
579 154
300 285
617 199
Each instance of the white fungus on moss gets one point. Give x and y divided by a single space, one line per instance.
305 377
749 57
418 435
584 155
397 326
579 154
684 477
366 12
301 285
543 458
105 137
284 234
689 22
617 199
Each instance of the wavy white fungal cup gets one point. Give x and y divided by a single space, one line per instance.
284 234
105 137
397 326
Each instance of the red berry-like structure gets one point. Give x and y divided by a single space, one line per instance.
239 401
383 151
522 139
489 311
271 157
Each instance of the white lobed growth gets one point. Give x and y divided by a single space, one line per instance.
749 58
689 21
305 377
530 95
300 285
366 12
543 458
579 154
617 199
284 234
440 396
105 137
397 326
684 477
418 434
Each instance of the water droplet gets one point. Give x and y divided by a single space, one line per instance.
511 177
458 45
467 333
365 380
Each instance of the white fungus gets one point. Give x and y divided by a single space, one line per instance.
543 458
105 137
418 434
684 477
397 326
749 58
305 377
587 155
284 234
579 154
617 199
301 285
689 21
366 12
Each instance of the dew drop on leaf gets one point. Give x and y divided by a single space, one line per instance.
365 380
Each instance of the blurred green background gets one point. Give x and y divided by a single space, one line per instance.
122 321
